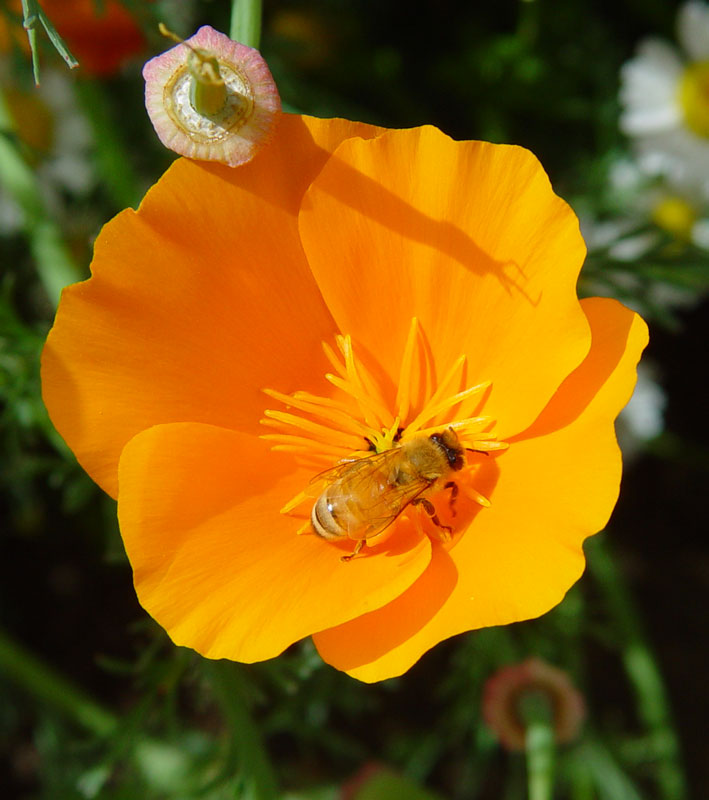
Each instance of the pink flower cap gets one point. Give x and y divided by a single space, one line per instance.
505 690
233 133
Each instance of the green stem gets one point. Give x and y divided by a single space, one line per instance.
259 779
24 669
539 745
54 264
607 777
642 669
246 22
118 176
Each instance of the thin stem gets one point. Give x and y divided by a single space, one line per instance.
539 745
246 22
258 776
607 777
54 264
642 669
39 680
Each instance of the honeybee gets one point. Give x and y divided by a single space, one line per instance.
363 497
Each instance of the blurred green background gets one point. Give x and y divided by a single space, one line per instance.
96 702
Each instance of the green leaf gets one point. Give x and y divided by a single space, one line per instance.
387 785
33 13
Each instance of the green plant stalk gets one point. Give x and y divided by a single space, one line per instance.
258 775
246 22
39 680
30 24
32 15
607 778
54 264
112 158
642 669
537 714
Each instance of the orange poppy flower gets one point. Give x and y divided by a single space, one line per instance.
378 285
100 40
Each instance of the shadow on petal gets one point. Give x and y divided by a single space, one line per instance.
369 637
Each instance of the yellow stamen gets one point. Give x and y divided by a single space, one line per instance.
360 378
367 405
476 497
332 357
322 432
305 529
448 378
300 498
356 420
449 402
309 445
322 407
385 440
467 428
489 446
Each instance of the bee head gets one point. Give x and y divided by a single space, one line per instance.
450 445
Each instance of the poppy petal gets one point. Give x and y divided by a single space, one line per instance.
196 302
557 484
468 237
217 565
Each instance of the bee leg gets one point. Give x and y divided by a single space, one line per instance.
358 547
430 509
453 486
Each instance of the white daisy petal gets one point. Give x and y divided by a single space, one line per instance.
649 89
693 30
678 156
647 121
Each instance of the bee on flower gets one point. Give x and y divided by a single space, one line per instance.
339 393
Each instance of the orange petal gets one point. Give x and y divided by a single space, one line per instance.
557 484
197 301
216 564
468 237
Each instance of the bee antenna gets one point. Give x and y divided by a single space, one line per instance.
473 450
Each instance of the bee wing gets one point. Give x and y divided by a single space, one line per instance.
390 503
366 465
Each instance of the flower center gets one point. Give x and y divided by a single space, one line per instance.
694 97
429 441
676 216
178 98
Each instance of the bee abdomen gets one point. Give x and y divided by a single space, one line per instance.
324 521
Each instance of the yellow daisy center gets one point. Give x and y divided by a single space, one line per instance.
356 422
694 97
676 216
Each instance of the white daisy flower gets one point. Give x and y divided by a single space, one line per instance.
665 98
647 210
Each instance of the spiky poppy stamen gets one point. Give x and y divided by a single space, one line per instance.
356 420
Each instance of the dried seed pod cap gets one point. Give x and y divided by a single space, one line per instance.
212 98
506 690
